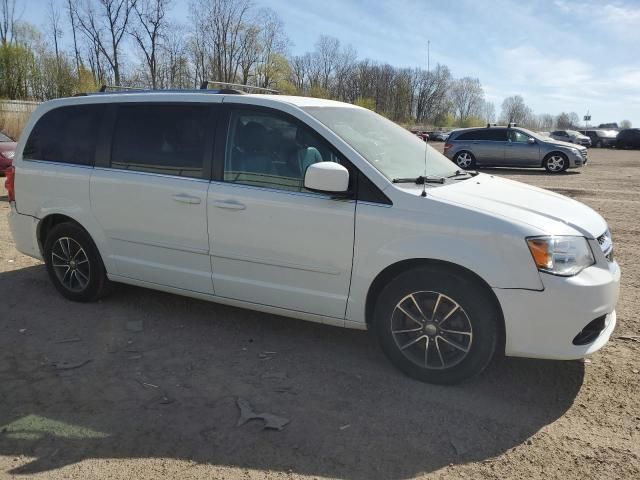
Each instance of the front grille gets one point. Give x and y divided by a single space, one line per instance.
606 244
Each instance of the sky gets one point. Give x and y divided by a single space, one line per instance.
559 55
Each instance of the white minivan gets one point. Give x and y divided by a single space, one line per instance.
316 210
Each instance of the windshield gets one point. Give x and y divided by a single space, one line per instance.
391 149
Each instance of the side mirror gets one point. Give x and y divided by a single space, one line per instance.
327 177
531 140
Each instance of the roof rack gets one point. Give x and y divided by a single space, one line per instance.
489 125
108 89
237 87
512 124
104 88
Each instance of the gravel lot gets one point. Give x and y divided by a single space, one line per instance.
157 397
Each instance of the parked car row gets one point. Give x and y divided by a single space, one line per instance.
7 150
598 137
571 136
601 138
432 135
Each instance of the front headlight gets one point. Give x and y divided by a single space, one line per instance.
565 256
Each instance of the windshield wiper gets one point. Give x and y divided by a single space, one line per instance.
459 173
420 180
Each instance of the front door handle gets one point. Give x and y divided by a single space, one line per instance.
229 204
184 198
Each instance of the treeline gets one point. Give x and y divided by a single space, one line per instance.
136 43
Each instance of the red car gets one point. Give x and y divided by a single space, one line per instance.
7 149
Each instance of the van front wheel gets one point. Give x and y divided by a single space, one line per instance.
436 325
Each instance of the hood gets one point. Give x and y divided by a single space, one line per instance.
553 141
549 212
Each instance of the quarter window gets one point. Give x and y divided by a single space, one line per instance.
166 139
66 135
271 151
468 136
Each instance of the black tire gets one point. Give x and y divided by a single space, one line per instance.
73 265
436 289
465 160
551 164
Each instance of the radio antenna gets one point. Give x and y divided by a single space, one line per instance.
426 140
424 179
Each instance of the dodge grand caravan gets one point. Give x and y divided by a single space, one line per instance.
315 210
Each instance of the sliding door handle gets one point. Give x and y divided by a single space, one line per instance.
229 204
184 198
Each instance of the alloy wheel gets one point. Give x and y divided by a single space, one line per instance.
556 163
431 330
464 160
70 264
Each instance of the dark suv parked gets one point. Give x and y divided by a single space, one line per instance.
601 138
512 147
629 138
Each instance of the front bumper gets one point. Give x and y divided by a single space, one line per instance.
544 324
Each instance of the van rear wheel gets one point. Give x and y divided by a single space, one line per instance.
74 263
436 325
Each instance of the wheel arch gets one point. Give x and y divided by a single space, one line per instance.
395 269
47 223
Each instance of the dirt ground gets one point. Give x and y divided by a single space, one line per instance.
156 378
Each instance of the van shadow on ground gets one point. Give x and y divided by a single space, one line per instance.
169 390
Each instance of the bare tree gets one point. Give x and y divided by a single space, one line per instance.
563 121
72 21
326 56
219 25
8 18
514 110
466 97
249 51
148 32
574 120
546 121
104 27
488 111
273 44
298 72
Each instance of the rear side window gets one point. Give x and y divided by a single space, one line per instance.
66 135
468 136
493 134
166 139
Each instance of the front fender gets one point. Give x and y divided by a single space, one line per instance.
491 247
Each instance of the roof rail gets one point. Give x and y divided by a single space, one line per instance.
105 87
512 124
237 87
